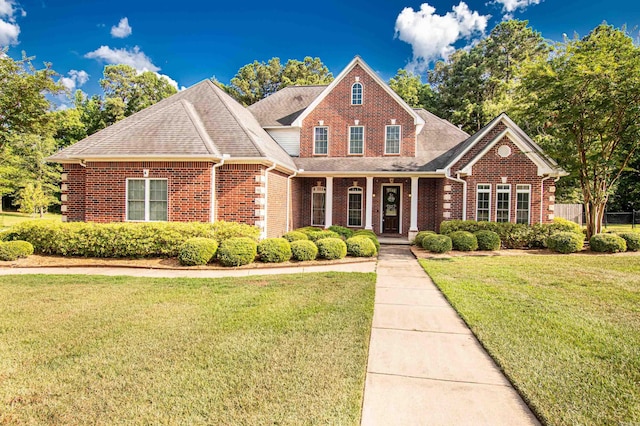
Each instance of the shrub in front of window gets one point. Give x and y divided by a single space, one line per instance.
320 235
13 250
487 240
632 239
437 243
308 230
565 242
369 234
237 251
361 246
304 250
274 250
463 241
331 248
197 251
419 236
344 232
607 243
292 236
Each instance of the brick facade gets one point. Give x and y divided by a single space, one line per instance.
276 204
237 193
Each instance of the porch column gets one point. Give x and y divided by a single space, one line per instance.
368 217
413 227
328 208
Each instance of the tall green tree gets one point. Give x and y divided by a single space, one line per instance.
410 88
585 102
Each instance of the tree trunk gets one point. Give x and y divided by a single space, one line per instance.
594 213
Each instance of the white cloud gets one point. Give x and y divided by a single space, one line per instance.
510 6
122 30
75 79
9 29
433 36
134 57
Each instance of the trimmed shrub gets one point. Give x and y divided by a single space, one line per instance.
320 235
419 236
487 240
345 233
155 239
563 225
361 246
369 234
331 248
274 250
13 250
304 250
197 251
463 241
308 230
565 242
632 239
237 251
437 243
607 243
292 236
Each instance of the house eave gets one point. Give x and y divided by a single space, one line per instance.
403 174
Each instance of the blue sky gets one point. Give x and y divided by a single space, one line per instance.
196 39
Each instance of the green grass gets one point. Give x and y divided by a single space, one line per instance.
8 218
565 329
112 350
620 228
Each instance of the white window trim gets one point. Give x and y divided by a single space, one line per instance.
483 191
318 190
349 141
523 191
147 201
506 190
361 93
355 190
314 140
399 139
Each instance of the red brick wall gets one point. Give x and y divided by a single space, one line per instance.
377 110
276 204
298 203
428 199
236 192
74 192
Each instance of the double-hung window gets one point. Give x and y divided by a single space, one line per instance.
523 204
503 203
147 200
356 94
483 202
354 213
356 140
392 140
318 198
321 140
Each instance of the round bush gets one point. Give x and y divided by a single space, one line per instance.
419 236
607 243
463 241
308 230
304 250
274 250
488 240
565 242
237 251
197 251
437 243
292 236
342 231
331 248
320 235
12 250
369 234
361 246
632 239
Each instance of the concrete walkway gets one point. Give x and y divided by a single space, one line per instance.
425 367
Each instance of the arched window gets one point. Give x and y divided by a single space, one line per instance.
354 208
318 201
356 94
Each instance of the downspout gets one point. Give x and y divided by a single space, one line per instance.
464 192
266 199
542 196
213 215
289 195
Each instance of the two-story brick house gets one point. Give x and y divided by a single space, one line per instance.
352 153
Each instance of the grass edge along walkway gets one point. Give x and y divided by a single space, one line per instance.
564 329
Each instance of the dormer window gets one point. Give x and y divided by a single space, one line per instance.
356 94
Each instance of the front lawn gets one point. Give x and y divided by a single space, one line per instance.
10 218
565 329
111 350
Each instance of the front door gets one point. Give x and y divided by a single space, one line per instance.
391 209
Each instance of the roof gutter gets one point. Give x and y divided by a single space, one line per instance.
263 234
214 201
289 195
464 191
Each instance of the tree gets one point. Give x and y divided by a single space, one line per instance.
258 80
585 102
32 199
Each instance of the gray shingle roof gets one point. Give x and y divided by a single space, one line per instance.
284 106
200 121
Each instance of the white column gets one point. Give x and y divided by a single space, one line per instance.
368 217
328 208
413 227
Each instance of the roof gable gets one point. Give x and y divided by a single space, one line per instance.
357 61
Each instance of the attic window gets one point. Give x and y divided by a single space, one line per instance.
356 94
504 151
